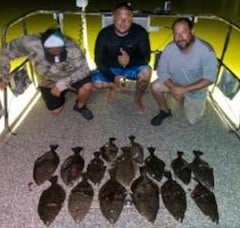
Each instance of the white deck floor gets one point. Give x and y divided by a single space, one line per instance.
18 205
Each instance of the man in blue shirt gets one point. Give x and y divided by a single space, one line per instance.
186 68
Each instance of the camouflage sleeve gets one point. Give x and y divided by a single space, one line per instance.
78 65
16 48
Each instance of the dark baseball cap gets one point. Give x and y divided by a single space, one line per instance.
125 5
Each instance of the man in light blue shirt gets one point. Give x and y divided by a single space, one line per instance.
186 68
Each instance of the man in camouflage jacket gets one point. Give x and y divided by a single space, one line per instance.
59 64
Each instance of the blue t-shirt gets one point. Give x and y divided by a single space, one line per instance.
187 68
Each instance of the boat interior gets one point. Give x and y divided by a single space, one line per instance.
27 129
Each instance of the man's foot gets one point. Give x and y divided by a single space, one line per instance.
111 93
84 111
140 107
157 120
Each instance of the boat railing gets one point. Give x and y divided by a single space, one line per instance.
83 26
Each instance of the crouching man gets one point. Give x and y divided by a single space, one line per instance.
59 64
186 68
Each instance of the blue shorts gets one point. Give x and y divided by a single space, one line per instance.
129 73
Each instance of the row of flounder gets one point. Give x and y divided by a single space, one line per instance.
143 190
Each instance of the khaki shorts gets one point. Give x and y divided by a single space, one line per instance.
193 108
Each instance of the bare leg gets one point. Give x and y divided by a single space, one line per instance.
111 92
159 96
110 89
141 86
158 93
83 95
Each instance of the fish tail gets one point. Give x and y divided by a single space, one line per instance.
85 176
197 153
96 154
53 179
151 150
168 174
77 149
180 153
132 138
112 139
53 147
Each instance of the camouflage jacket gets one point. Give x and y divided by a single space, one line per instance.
74 68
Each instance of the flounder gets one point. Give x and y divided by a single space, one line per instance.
206 201
145 196
174 197
112 197
109 150
154 165
181 168
72 167
51 201
123 168
202 171
45 165
96 169
80 199
137 151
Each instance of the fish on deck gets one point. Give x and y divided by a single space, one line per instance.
154 165
72 167
174 197
109 150
181 168
96 168
80 199
123 168
51 201
202 171
111 198
137 151
206 201
45 165
145 196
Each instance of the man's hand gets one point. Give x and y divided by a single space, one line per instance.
55 91
123 58
178 92
59 87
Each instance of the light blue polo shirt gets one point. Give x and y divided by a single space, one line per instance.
186 68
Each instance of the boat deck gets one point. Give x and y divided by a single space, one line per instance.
119 119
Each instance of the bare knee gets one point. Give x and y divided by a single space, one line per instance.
155 87
145 74
56 111
86 87
97 85
100 85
